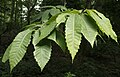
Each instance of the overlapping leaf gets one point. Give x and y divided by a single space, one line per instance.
18 47
42 53
89 28
73 34
63 8
77 23
61 18
103 23
59 39
54 11
47 29
36 36
45 16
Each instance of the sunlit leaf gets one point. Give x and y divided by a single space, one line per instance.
42 53
103 23
73 34
19 47
61 18
6 54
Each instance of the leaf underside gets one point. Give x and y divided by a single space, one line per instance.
6 54
89 28
19 47
58 38
76 25
42 53
103 23
73 34
47 29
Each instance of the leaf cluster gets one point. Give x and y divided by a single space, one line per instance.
65 27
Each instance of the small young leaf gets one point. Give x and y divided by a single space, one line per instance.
19 47
42 53
54 11
36 35
58 38
89 28
61 18
73 34
45 16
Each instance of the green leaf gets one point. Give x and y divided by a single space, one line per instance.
47 29
33 26
89 28
58 38
54 11
45 16
73 34
61 7
19 47
42 53
6 54
103 23
36 36
36 17
61 18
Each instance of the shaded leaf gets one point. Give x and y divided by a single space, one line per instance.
89 28
45 16
58 38
36 36
47 28
61 7
54 11
36 17
33 26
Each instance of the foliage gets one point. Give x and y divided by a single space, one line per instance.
75 24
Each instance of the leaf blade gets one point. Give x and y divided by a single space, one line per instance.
89 28
19 47
59 39
73 34
47 29
6 54
103 23
42 53
54 11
